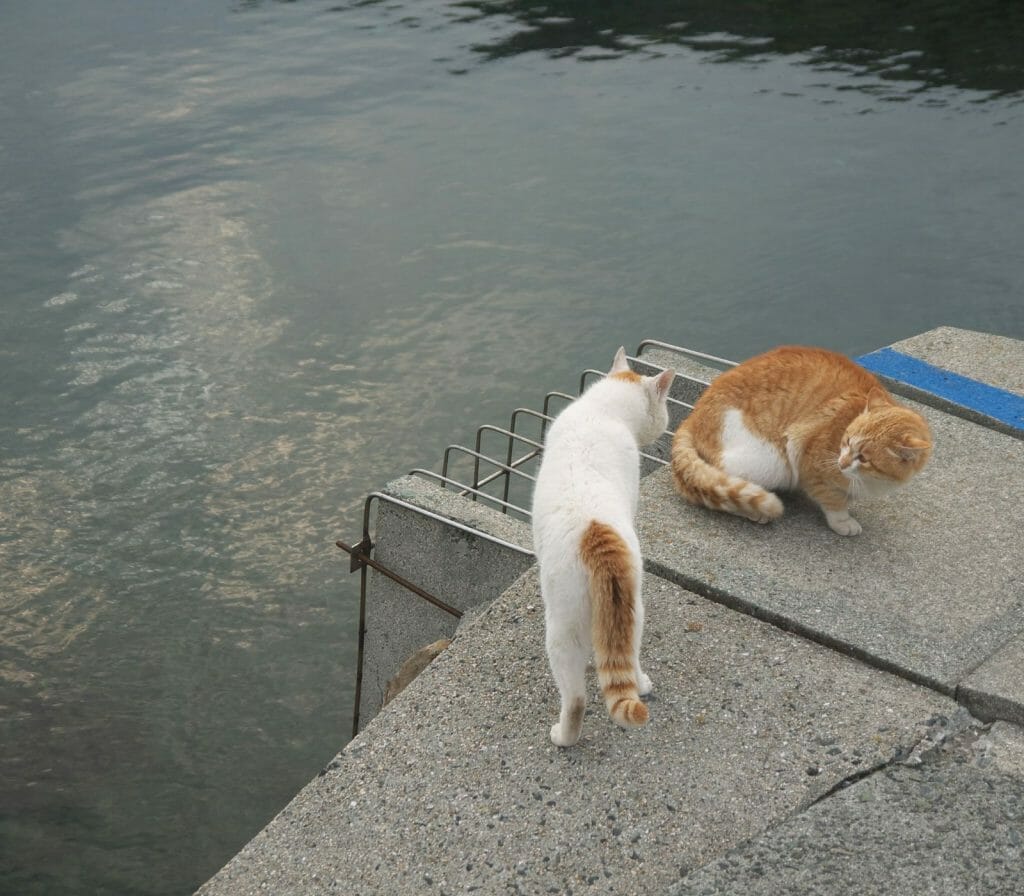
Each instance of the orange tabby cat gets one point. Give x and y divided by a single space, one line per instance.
796 418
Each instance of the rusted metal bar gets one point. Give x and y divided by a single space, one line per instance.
363 559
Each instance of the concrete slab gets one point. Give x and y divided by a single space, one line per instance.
692 375
996 360
952 824
995 690
930 588
977 376
463 569
476 515
455 786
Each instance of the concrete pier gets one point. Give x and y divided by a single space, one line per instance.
830 715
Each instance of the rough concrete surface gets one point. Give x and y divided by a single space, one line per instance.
477 515
995 690
692 376
952 823
991 359
931 587
995 360
455 786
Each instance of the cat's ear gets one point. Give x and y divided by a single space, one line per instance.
878 399
620 364
661 383
910 447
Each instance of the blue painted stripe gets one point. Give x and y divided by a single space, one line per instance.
981 397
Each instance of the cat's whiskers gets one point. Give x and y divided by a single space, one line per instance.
854 486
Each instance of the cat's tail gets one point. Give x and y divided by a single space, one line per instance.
613 580
701 483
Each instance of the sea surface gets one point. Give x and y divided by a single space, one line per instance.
257 258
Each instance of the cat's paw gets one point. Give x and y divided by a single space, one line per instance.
843 523
644 685
559 739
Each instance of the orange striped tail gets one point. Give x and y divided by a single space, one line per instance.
609 564
701 483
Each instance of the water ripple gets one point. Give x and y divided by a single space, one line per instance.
910 48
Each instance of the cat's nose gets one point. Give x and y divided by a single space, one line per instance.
844 460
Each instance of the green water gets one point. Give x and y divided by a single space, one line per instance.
259 258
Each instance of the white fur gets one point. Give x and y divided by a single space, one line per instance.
750 457
861 484
590 472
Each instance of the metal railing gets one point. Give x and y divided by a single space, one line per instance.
361 560
493 474
515 463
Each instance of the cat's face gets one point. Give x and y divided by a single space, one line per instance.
884 446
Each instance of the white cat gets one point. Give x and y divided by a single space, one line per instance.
584 504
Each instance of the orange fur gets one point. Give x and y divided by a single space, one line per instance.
628 375
808 404
612 594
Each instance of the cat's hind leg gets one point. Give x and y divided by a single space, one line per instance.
567 638
644 685
568 654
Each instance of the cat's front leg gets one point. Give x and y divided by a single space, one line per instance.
835 505
840 521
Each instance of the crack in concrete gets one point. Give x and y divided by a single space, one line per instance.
941 735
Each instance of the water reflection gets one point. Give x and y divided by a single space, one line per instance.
143 577
898 51
911 47
258 264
